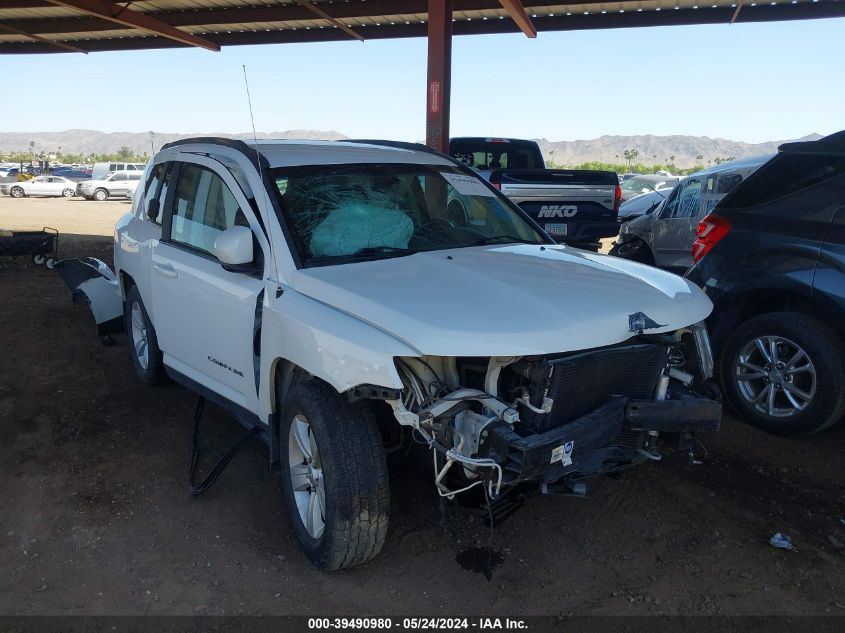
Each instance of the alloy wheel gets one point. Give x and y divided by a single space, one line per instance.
306 475
139 336
775 376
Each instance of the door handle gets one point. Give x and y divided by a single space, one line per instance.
165 269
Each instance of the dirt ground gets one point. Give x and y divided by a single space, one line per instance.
96 517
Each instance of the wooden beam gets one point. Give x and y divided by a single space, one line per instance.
61 45
135 20
520 16
322 14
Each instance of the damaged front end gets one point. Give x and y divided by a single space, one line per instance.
560 419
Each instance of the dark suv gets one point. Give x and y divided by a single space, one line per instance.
771 257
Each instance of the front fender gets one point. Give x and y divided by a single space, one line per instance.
332 345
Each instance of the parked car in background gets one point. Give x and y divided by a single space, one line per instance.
771 257
577 207
646 183
642 205
664 237
48 186
73 174
101 169
114 184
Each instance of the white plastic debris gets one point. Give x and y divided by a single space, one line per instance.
781 541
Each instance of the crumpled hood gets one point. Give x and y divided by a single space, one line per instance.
509 300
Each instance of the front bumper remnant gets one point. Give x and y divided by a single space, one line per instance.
608 439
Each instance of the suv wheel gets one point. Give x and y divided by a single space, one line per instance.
635 250
334 476
101 194
146 356
783 372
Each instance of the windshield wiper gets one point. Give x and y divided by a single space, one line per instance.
367 250
495 238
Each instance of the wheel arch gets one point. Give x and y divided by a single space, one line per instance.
738 308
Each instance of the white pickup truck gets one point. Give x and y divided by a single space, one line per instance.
320 292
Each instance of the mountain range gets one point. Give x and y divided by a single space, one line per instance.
651 148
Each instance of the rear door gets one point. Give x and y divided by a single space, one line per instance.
204 315
673 233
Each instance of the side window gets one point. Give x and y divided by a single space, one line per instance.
202 209
157 185
112 167
668 210
727 182
130 167
688 199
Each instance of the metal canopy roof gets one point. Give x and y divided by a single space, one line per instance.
53 26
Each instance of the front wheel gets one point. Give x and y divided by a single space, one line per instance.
16 192
634 250
783 372
334 476
101 194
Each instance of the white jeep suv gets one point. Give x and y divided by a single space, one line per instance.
319 291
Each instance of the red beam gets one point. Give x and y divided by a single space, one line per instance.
520 16
135 20
439 85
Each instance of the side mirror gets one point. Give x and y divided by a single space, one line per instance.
233 247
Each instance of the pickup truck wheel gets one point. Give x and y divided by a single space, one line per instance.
143 342
783 372
334 482
635 250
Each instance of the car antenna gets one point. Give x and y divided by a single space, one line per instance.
252 120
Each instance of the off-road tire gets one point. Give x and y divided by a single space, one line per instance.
634 250
827 353
357 493
154 372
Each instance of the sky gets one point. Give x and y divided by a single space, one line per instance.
744 82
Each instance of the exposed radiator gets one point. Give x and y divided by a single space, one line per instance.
583 382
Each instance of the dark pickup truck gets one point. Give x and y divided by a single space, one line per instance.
577 207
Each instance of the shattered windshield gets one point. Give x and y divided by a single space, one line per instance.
369 211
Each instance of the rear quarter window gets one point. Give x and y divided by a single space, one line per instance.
785 175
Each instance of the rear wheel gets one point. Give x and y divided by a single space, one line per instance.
334 476
143 342
783 372
101 194
635 250
16 192
68 193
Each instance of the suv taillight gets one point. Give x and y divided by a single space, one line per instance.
710 232
617 198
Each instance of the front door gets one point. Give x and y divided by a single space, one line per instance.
205 315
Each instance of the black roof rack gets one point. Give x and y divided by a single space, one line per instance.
251 153
831 145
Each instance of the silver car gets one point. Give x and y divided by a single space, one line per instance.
664 237
116 184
